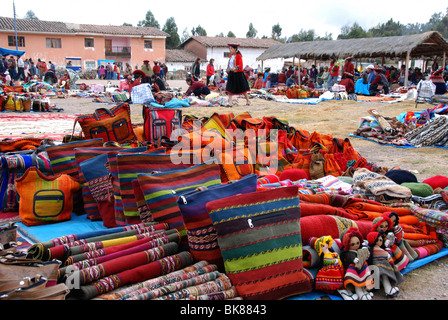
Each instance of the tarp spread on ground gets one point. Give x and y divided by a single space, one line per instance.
143 224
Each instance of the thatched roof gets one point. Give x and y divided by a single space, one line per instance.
427 44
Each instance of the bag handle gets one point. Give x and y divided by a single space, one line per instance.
96 114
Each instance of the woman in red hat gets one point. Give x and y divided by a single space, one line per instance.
236 80
437 79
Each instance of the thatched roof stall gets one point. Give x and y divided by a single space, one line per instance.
417 46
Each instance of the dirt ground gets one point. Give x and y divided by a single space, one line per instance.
338 118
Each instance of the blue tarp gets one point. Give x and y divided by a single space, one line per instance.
8 52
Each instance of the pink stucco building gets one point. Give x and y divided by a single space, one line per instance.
84 44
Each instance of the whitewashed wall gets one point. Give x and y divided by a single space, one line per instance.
249 58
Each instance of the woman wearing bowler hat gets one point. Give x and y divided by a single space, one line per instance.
236 80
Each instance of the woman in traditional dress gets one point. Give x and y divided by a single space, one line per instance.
236 80
354 256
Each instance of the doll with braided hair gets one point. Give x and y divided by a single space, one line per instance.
354 256
389 275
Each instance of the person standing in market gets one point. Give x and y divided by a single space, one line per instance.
236 80
196 69
349 69
146 68
211 73
334 72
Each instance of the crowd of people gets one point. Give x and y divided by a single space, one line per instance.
16 70
236 79
373 80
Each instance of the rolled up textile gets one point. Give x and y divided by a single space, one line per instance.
114 242
177 286
158 239
127 262
219 284
134 275
42 252
102 256
125 293
231 293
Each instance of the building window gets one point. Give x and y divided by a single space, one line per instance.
88 42
12 41
226 54
148 44
54 43
89 64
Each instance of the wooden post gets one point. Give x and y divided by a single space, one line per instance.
300 78
406 74
444 60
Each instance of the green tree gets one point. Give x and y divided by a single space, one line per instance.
30 15
276 31
351 32
230 34
252 33
149 21
198 31
390 28
327 36
125 24
185 35
170 27
303 35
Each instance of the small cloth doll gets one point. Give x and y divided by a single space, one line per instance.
389 275
354 257
399 233
330 276
384 224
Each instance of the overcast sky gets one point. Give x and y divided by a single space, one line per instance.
324 16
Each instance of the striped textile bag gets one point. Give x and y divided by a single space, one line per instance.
160 122
82 154
112 166
62 160
161 191
260 239
201 234
129 166
98 182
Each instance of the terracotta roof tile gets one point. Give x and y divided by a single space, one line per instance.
179 56
224 41
34 25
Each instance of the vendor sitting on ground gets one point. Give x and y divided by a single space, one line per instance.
157 83
64 82
291 81
258 84
437 79
50 77
379 84
125 83
198 88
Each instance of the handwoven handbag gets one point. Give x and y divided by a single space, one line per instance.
260 239
201 234
45 199
109 124
100 186
160 122
161 191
